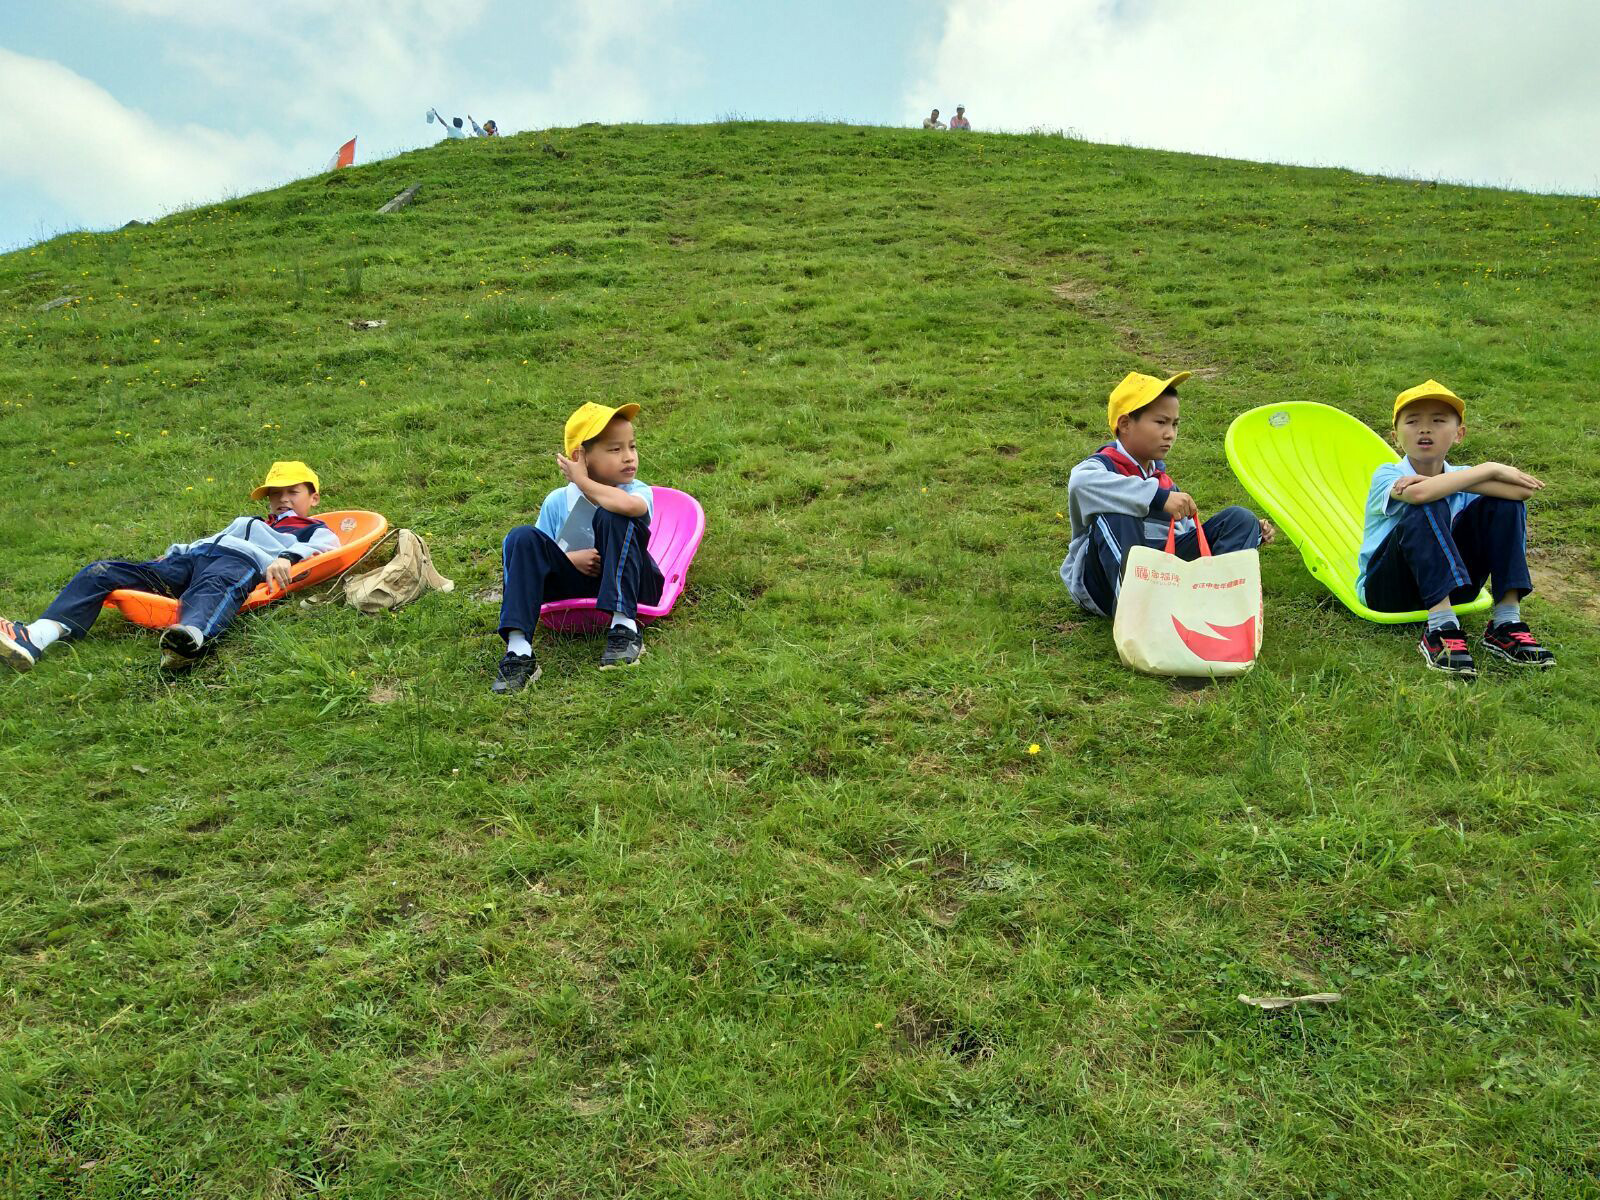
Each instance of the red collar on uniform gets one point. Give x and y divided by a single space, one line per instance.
292 521
1126 466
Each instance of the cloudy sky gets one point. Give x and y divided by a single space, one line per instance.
130 108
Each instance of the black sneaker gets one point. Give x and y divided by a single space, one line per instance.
180 647
16 651
1446 650
624 647
515 672
1515 643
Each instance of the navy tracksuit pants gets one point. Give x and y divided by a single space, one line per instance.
1428 556
538 570
1112 535
209 588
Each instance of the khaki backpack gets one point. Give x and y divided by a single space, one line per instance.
404 578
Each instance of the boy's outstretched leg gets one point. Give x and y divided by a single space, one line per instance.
628 577
73 611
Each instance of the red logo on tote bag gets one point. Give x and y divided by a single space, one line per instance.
1225 643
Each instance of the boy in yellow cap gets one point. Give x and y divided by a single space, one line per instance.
1436 532
210 577
1121 496
591 538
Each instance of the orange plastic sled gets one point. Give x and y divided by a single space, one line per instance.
355 528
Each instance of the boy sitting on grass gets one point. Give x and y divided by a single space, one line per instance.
601 463
210 578
1435 532
1121 497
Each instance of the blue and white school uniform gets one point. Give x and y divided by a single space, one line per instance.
1414 555
210 578
1114 505
537 570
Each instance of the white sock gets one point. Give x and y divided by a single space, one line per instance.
41 633
1442 619
517 643
627 623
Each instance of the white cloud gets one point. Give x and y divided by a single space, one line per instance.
619 64
1476 90
104 163
303 60
378 61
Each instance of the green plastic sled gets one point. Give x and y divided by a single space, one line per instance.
1309 466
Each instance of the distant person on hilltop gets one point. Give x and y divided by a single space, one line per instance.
959 121
452 128
487 129
932 121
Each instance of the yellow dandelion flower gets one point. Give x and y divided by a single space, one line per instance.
1033 747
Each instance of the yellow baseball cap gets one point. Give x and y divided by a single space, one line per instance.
589 420
1432 390
1137 390
287 474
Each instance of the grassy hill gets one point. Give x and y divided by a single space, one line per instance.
793 909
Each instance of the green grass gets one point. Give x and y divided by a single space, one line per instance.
789 910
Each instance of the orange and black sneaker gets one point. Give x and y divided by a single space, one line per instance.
15 649
1446 650
1514 642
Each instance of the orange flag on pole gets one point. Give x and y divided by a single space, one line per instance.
345 157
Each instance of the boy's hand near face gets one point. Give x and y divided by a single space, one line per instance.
1268 532
1180 505
586 561
609 496
573 467
278 574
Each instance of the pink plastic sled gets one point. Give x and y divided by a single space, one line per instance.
675 532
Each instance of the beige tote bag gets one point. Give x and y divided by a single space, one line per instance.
1200 618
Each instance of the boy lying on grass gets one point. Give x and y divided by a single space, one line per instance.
1121 496
1435 532
601 463
210 578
